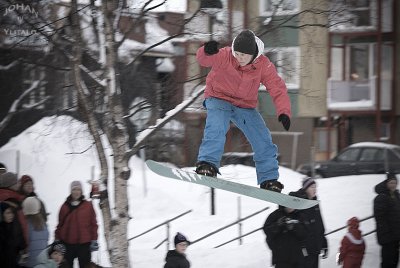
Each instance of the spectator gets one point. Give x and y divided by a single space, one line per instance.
77 227
26 188
316 243
8 192
37 229
53 256
12 241
286 233
351 252
387 217
176 258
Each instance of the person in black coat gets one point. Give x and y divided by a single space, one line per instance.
387 217
176 258
12 242
316 242
285 235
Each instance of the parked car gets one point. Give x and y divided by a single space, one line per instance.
359 158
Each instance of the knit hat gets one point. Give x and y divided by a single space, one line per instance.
390 177
245 42
24 179
57 246
308 182
76 184
8 179
353 223
31 206
179 238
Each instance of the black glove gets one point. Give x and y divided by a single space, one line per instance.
281 221
285 121
211 47
324 253
94 246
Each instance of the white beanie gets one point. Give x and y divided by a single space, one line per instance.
31 206
76 184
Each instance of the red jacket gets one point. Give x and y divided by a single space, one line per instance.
15 199
352 249
76 225
238 85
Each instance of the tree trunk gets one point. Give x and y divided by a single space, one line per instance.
115 129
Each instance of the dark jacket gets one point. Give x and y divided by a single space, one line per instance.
12 242
76 224
284 238
175 259
15 199
316 239
387 214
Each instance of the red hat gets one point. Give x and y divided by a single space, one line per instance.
24 179
353 223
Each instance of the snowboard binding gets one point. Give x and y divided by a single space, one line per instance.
272 185
206 169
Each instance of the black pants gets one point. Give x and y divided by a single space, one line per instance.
80 251
390 255
312 261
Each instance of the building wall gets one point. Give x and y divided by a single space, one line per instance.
314 61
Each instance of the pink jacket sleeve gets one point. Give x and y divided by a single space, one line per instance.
215 60
277 89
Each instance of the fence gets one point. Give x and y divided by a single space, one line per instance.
167 223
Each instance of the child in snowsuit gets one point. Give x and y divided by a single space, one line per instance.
176 258
52 257
352 248
231 94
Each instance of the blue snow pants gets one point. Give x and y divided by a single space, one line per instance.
251 123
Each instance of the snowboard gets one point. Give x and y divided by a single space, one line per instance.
242 189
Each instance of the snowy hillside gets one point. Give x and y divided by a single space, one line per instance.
58 150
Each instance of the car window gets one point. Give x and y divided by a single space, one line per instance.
349 155
393 157
372 155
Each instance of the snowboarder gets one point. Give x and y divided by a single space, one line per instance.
176 258
231 95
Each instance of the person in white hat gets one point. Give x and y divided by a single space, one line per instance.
77 227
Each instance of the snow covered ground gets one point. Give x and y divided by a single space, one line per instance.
58 150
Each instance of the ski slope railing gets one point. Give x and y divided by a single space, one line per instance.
167 224
331 232
344 227
239 221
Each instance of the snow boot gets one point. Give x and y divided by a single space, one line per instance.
272 185
207 169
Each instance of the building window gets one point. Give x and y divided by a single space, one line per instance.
360 11
287 63
33 74
279 7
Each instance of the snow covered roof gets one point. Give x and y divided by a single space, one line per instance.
375 144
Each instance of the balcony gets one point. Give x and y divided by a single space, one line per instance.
358 95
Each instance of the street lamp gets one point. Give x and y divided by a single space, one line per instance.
211 7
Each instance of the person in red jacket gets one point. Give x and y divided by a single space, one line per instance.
77 227
231 94
351 252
